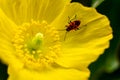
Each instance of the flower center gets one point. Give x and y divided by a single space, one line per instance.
37 45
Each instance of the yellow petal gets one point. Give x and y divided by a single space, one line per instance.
83 46
7 28
24 10
55 74
6 25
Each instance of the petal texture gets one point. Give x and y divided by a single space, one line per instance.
24 10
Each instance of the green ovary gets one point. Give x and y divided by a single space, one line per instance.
35 45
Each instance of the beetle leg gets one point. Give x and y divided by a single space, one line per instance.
69 21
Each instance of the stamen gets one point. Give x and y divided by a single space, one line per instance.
37 45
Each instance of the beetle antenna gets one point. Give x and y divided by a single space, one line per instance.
69 19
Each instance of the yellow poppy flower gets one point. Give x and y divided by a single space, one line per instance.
36 43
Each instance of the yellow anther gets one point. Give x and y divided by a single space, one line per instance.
33 52
19 47
26 51
39 51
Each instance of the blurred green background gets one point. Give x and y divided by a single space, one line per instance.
107 66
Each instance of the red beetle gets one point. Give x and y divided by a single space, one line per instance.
74 25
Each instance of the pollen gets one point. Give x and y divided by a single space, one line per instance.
37 45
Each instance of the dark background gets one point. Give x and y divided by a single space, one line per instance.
107 66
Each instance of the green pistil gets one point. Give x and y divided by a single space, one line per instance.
34 45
